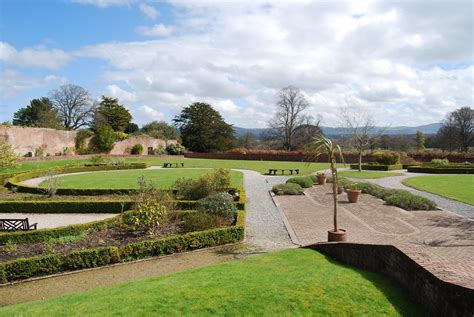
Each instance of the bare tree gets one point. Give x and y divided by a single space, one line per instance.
361 129
74 105
289 115
461 123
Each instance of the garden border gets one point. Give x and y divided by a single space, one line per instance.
440 170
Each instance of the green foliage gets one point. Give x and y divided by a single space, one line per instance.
39 113
217 181
131 128
288 189
406 200
8 157
442 169
387 158
137 149
175 149
104 138
218 204
10 247
377 167
303 181
160 130
111 113
198 221
120 136
203 129
420 141
443 162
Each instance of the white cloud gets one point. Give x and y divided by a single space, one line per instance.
33 57
146 114
121 94
13 82
149 10
105 3
155 30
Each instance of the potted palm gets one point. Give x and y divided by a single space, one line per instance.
318 146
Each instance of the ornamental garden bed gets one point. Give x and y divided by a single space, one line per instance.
442 169
377 167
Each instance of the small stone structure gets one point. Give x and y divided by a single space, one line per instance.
31 142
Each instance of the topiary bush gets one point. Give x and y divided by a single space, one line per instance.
137 149
303 181
218 204
288 189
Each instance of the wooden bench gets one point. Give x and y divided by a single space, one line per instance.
176 164
273 171
11 225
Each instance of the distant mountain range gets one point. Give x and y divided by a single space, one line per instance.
402 130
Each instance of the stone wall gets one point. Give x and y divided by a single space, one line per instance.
438 297
27 140
148 143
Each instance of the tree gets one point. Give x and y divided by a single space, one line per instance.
420 141
460 123
39 113
161 130
7 155
446 138
131 128
112 113
74 105
289 115
306 132
104 138
361 128
203 129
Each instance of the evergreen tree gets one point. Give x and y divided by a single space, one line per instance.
420 141
112 113
39 113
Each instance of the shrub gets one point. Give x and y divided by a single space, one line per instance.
137 149
159 150
105 138
81 137
387 158
175 149
217 181
303 181
197 221
288 189
52 183
408 201
444 162
7 156
120 135
218 204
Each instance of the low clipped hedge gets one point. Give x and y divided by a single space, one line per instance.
442 169
288 189
303 181
45 265
377 167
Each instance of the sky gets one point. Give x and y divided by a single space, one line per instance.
405 63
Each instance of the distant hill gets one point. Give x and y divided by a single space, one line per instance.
427 129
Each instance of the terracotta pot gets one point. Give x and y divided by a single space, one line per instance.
340 189
321 179
353 195
337 236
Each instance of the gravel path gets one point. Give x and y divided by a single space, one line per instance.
444 203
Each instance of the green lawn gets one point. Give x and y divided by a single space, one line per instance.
161 178
367 174
290 283
259 166
457 187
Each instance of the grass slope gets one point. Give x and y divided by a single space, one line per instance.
161 178
368 174
291 282
259 166
457 187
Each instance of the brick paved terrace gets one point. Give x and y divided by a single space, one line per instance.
441 241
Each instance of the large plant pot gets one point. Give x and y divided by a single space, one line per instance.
337 236
353 195
340 189
321 179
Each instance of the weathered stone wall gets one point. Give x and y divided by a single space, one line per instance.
148 143
438 297
28 140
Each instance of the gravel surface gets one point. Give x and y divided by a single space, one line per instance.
265 228
444 203
56 220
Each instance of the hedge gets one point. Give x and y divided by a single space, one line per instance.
44 265
457 169
84 207
377 167
303 181
15 181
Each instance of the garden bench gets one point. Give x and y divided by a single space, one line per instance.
11 225
177 164
273 171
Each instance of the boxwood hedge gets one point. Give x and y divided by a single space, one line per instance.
443 169
377 167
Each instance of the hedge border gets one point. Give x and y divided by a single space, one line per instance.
377 167
45 265
440 170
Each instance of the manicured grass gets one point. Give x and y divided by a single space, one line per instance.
367 174
259 166
161 178
457 187
291 282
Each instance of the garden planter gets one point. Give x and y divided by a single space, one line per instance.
353 194
321 179
340 189
337 236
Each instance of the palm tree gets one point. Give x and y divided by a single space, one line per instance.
322 145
